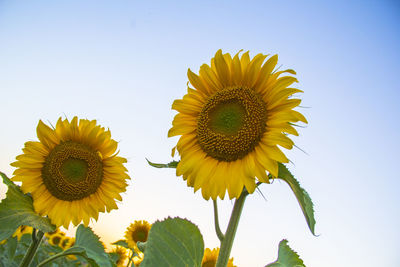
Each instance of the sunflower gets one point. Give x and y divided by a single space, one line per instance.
23 229
137 260
73 172
232 122
57 231
56 239
66 242
137 232
121 252
210 258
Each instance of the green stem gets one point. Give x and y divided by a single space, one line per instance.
216 222
36 239
52 258
227 242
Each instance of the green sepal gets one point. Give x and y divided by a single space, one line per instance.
172 164
141 246
286 257
173 242
121 243
93 249
302 196
17 209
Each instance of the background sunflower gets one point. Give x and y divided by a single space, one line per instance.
210 258
137 232
75 167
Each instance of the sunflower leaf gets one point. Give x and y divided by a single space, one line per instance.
173 242
121 243
94 249
302 196
172 164
286 257
17 209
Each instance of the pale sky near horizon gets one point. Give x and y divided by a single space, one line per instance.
124 62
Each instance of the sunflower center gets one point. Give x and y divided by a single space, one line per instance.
56 240
209 263
139 236
72 171
231 123
227 118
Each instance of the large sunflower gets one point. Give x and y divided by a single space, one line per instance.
73 172
137 232
232 122
210 258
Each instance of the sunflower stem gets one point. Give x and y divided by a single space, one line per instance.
61 254
227 242
36 239
216 221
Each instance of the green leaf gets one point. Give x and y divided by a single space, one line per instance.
17 209
121 243
173 242
86 239
302 196
114 256
11 247
286 257
172 164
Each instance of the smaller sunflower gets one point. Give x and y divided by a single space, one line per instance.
137 232
23 229
73 172
210 258
55 239
57 231
66 242
137 260
121 252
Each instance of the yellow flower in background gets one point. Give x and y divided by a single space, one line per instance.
137 232
210 258
56 239
23 229
137 260
57 231
121 252
232 122
67 242
73 172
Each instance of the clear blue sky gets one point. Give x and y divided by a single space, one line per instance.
124 62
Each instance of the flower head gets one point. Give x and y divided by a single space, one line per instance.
73 172
57 231
121 252
137 260
210 258
137 232
66 242
56 239
231 123
23 229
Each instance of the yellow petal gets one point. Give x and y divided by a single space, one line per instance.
222 69
265 73
197 82
46 135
